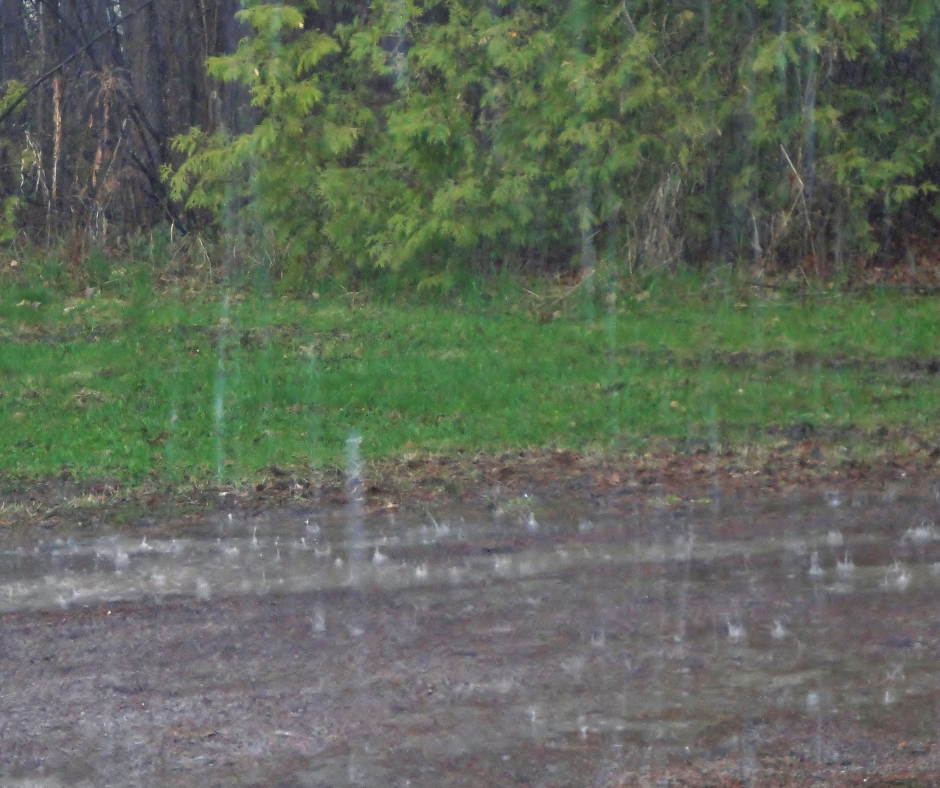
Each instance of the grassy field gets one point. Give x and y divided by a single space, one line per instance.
193 390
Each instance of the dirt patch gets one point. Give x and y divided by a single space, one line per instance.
780 359
804 458
792 772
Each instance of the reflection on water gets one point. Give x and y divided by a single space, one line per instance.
582 643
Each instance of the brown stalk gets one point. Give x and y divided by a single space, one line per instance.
57 147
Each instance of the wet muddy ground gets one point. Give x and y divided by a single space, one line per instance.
776 642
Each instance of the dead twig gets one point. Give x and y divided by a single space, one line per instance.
802 195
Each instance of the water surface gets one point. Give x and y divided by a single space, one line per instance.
539 646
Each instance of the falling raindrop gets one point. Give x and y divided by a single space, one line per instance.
219 409
399 55
319 619
354 516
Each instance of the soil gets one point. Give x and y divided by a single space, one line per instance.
509 680
419 687
802 458
244 692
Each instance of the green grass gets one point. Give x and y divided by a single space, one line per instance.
158 387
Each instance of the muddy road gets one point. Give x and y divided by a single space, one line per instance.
777 643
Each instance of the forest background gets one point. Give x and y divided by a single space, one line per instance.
338 140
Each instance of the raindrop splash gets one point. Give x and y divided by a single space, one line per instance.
531 523
354 518
845 567
815 570
897 578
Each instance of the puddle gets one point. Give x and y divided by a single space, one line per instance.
543 648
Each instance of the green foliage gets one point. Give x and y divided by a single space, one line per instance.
8 222
272 174
13 91
850 91
428 137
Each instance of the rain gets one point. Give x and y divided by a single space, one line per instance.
469 393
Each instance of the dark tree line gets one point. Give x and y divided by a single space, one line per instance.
434 136
83 155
